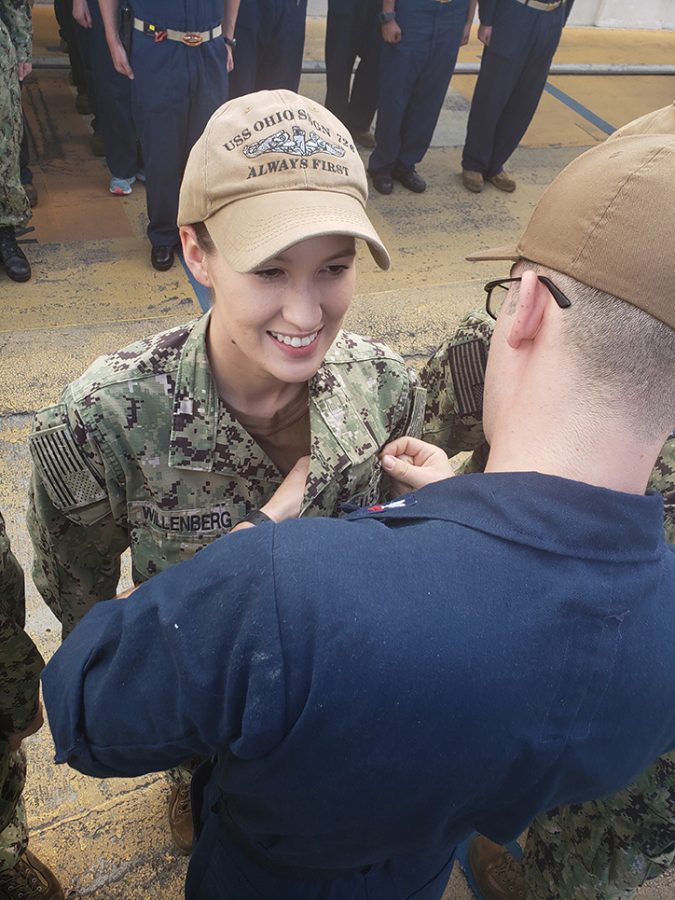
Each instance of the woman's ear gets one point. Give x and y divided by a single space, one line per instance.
533 297
195 258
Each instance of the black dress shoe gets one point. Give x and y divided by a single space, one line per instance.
161 258
12 256
411 180
382 182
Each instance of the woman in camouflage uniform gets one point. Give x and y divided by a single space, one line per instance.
165 445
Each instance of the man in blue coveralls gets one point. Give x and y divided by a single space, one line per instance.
374 688
181 54
353 29
421 42
270 41
520 38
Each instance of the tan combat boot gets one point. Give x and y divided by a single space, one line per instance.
30 879
180 818
503 181
473 181
498 875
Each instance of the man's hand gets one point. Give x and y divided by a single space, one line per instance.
23 70
391 32
485 34
14 740
81 13
120 58
412 464
230 58
466 34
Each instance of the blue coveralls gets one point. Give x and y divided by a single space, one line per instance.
113 103
374 688
175 90
270 42
513 73
414 79
353 29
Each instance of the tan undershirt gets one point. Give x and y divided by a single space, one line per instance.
286 436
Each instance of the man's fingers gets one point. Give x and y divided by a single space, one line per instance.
401 470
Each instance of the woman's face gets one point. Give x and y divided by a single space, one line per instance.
279 321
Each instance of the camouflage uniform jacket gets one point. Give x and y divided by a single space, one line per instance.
15 30
20 662
20 667
141 452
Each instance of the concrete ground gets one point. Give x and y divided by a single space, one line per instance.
93 290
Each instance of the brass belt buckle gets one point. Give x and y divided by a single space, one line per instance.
192 39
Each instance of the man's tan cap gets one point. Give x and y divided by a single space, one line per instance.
271 169
608 221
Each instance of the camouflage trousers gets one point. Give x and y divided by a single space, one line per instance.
14 206
605 849
13 828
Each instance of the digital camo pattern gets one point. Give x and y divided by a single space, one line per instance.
13 827
604 850
20 666
663 480
20 662
454 378
140 452
15 44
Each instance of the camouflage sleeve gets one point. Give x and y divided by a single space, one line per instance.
454 378
20 662
77 539
605 848
16 14
663 480
408 421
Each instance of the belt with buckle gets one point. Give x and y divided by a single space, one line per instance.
189 38
544 7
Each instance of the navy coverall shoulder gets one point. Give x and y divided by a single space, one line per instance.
375 688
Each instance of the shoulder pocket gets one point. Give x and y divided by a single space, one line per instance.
67 475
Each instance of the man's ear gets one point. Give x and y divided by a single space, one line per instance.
195 258
533 298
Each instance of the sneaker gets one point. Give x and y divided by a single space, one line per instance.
503 181
180 818
121 186
30 879
140 175
498 875
473 181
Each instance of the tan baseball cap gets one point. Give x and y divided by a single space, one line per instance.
608 221
271 169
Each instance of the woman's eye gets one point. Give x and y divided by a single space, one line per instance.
269 274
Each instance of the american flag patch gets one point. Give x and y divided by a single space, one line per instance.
467 364
65 473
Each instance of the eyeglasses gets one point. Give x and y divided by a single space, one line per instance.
495 298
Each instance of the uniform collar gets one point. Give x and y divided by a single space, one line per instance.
541 511
206 437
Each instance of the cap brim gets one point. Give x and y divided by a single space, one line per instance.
511 253
252 230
